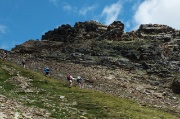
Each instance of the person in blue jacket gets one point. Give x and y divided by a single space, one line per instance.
79 81
46 70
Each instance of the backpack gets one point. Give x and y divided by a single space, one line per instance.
46 69
23 61
79 79
69 77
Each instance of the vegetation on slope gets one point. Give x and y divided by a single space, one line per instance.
35 90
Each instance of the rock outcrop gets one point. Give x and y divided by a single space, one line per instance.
153 48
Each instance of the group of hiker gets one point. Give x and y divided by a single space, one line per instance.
78 79
70 78
46 70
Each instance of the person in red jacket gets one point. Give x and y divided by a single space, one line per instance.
70 79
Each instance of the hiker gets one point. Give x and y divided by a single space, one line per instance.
79 81
4 56
46 70
23 62
70 79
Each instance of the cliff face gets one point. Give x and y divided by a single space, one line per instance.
153 48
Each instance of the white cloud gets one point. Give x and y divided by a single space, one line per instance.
158 12
54 2
84 10
136 5
3 29
67 7
111 12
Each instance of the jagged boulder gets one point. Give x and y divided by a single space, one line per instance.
155 29
156 32
63 33
115 30
27 47
116 25
80 31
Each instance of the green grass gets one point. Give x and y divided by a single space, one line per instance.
76 102
7 86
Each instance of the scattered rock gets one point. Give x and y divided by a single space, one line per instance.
137 64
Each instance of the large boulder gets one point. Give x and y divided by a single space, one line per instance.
155 29
116 25
156 32
63 33
115 30
28 47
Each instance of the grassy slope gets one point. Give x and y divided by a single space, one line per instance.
63 102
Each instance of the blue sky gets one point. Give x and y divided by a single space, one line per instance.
22 20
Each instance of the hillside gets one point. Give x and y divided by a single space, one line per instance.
141 65
27 94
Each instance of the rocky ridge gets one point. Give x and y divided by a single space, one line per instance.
142 65
152 48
